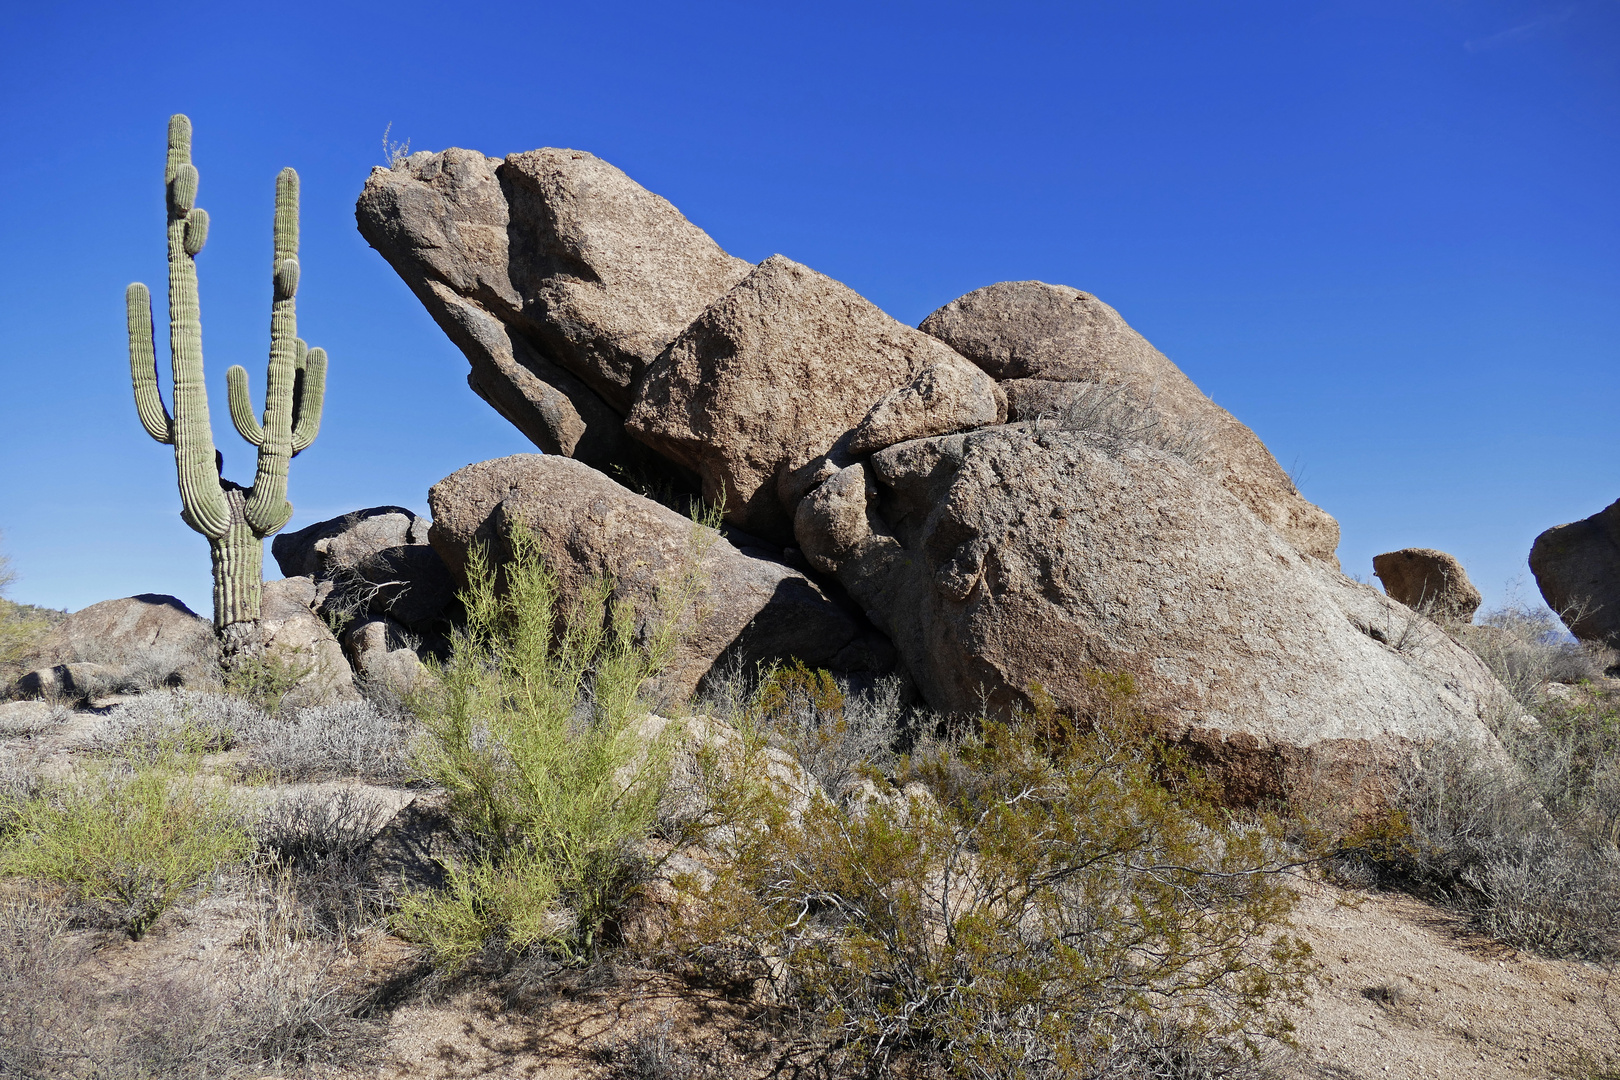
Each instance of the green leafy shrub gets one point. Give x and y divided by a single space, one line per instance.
127 844
1052 899
532 728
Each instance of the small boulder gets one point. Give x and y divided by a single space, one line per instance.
320 549
775 372
116 646
1429 581
1053 334
749 609
383 654
293 635
1577 568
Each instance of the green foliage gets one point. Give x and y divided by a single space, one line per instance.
234 519
265 678
22 628
1031 901
129 844
532 729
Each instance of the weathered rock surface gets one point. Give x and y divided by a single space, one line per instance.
1126 559
1029 330
380 564
557 275
116 646
1429 581
1577 568
293 634
383 653
775 372
751 609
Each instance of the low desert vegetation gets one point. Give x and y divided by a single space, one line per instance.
1522 845
126 844
1041 898
23 628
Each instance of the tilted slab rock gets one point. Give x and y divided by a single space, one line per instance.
775 372
294 635
1011 556
1577 568
751 609
557 275
1429 581
1029 330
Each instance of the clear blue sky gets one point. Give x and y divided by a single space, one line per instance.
1385 235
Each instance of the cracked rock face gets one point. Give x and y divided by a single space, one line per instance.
1048 343
789 366
1012 556
558 277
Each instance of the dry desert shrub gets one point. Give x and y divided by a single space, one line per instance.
1042 899
345 740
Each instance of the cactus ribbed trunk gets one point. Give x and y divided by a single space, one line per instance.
235 520
238 566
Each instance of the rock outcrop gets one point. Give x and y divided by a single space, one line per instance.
130 644
1127 559
558 277
1577 568
779 370
1045 342
750 609
380 565
1429 581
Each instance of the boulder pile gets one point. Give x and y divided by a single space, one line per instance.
1016 493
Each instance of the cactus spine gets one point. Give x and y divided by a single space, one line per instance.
235 520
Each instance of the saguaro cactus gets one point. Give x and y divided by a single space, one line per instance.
233 518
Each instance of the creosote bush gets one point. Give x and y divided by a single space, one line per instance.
127 844
532 728
1060 899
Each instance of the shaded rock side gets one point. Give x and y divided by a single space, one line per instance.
749 609
1267 662
1577 568
558 277
1429 581
1041 335
380 565
133 643
779 370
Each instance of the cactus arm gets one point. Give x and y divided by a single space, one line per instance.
143 365
203 504
247 425
311 397
267 508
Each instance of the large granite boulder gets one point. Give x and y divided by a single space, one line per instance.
557 275
747 608
1123 558
1429 581
1049 343
134 643
379 564
1577 568
779 370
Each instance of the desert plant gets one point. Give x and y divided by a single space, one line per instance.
836 736
1065 895
126 844
22 628
234 519
531 728
1117 418
1526 647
